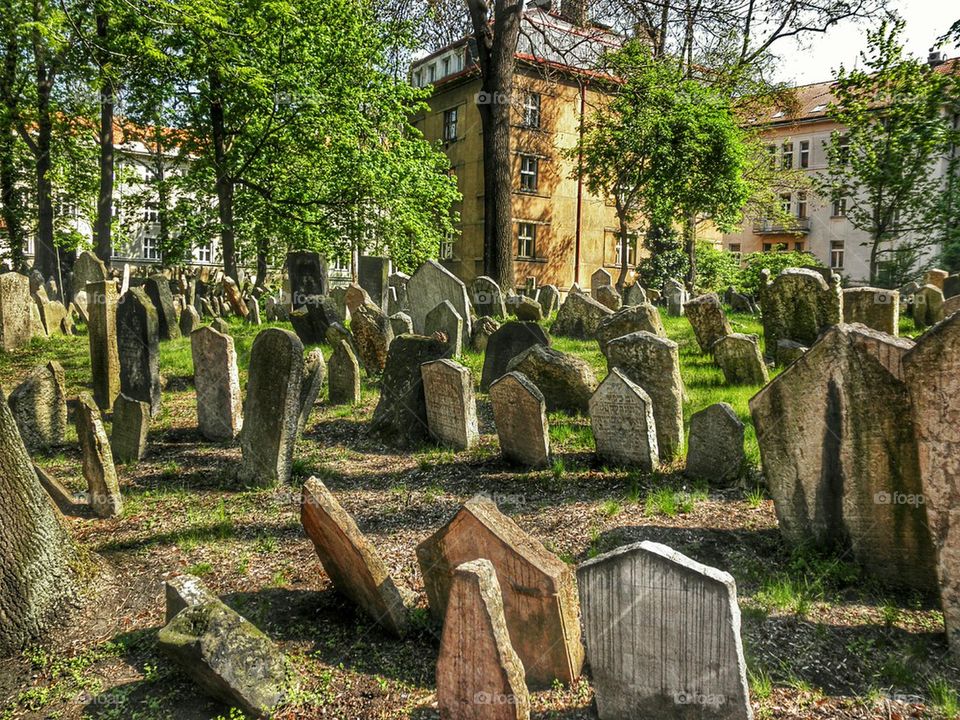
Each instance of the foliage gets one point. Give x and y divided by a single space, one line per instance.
717 269
665 258
775 262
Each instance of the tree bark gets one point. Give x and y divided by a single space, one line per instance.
103 228
46 260
624 248
690 245
224 181
35 549
10 200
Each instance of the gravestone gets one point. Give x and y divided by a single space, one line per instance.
158 289
628 320
183 591
307 275
272 409
873 307
663 636
539 594
344 373
401 414
16 327
839 455
39 407
528 310
951 286
608 296
621 416
451 406
52 315
373 274
549 298
189 320
715 445
708 320
566 381
508 341
520 414
354 297
479 674
88 268
579 317
232 294
314 373
79 304
634 295
739 357
600 278
339 297
483 328
313 317
102 331
788 351
253 305
131 425
36 322
103 490
373 334
445 318
932 373
653 363
221 326
487 297
675 295
401 324
138 346
935 277
393 307
798 305
349 559
951 305
428 287
927 306
399 281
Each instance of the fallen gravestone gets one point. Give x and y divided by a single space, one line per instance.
506 342
715 444
451 406
708 320
103 490
566 381
215 376
138 347
183 591
738 357
520 414
131 425
621 416
39 407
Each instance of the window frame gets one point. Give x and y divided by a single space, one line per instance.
837 251
526 241
804 154
453 112
532 109
529 178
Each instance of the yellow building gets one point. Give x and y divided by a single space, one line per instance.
562 233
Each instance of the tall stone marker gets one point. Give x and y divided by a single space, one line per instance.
520 414
874 307
219 405
373 273
479 674
349 559
344 375
429 286
39 406
708 320
663 636
131 425
621 415
451 406
798 305
445 318
539 594
158 289
138 345
272 409
307 276
102 329
314 374
16 326
88 268
103 489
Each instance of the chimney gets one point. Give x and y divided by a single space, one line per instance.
576 11
935 57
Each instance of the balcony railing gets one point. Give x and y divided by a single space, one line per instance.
778 227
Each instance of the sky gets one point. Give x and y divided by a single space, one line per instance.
820 55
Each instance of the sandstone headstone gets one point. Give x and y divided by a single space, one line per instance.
429 286
483 328
549 298
579 317
708 320
88 268
232 293
401 324
313 317
138 346
935 277
373 274
103 490
739 357
354 297
608 296
487 297
566 381
80 305
873 307
927 306
184 591
445 318
52 314
102 331
627 320
451 406
528 310
520 414
344 372
600 278
373 334
131 425
798 305
15 311
189 320
715 446
508 341
307 276
39 406
314 373
621 415
253 305
158 289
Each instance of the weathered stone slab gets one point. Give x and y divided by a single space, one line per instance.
313 318
373 273
951 286
708 320
349 559
103 489
876 308
927 306
579 317
104 356
272 409
444 318
314 373
483 328
549 298
429 286
539 595
715 446
634 295
935 277
307 276
232 294
131 425
88 268
39 406
951 305
839 455
566 381
373 334
528 310
344 375
183 591
487 297
798 305
157 288
401 324
621 415
508 341
354 297
663 636
52 315
138 347
189 320
520 414
479 674
608 296
675 295
600 278
633 318
215 376
739 357
451 405
788 351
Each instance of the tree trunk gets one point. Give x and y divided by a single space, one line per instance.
690 245
35 549
624 249
262 249
47 260
10 200
103 228
224 181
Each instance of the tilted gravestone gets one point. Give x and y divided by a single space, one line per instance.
520 414
451 406
579 317
653 363
506 342
344 378
401 324
479 674
373 274
935 277
798 305
138 347
876 308
608 296
158 289
102 331
839 455
429 286
634 295
88 268
487 297
16 327
307 276
927 306
313 318
539 594
39 406
354 296
708 320
314 373
272 409
715 444
373 334
549 298
219 405
189 320
621 416
663 636
444 318
739 357
183 591
633 318
349 559
528 310
103 490
131 425
566 381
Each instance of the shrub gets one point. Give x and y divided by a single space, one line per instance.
773 261
666 258
716 269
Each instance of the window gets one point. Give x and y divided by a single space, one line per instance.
786 159
531 110
804 153
767 247
631 249
151 251
734 249
801 205
779 247
450 125
526 240
446 67
836 254
843 149
529 171
446 247
786 202
203 253
432 72
798 246
458 61
151 215
418 78
840 207
772 155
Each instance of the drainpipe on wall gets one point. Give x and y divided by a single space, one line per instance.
576 252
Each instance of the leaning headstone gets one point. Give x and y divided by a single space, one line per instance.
349 559
798 305
579 317
313 317
373 334
487 297
520 414
627 320
221 326
15 311
483 328
344 371
52 314
131 425
189 320
158 289
428 287
39 406
451 406
307 276
102 331
401 414
227 656
508 341
566 380
715 444
739 357
88 268
708 320
932 372
539 595
314 373
621 415
528 310
138 345
608 296
444 318
675 295
401 324
80 305
272 409
398 281
788 351
233 296
876 308
634 295
479 674
839 455
103 490
354 297
253 305
373 274
653 363
935 277
549 298
663 636
600 278
927 306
